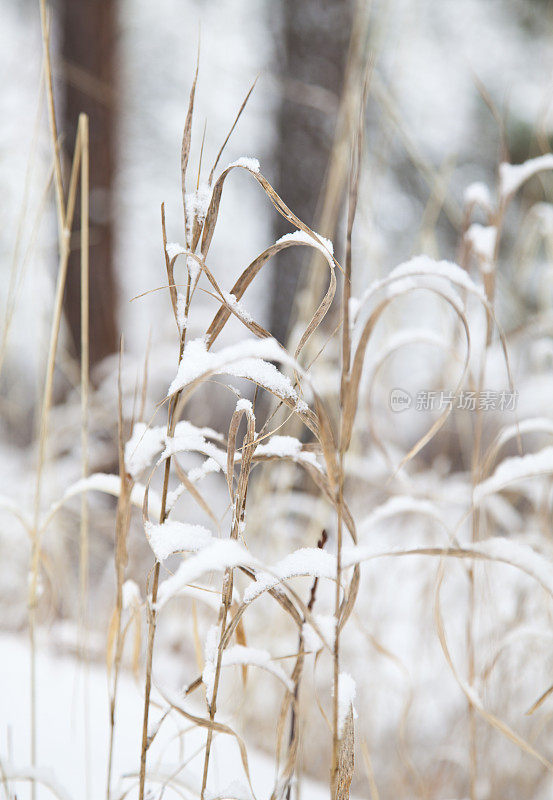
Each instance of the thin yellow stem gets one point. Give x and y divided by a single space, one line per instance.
85 370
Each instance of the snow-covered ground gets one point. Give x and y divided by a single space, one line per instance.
73 732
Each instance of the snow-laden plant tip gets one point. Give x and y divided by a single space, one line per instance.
261 530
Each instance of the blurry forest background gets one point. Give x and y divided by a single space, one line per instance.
456 88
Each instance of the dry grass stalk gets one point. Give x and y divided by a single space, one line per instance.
293 740
116 636
319 423
238 499
65 216
171 422
85 370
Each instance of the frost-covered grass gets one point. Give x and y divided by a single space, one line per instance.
290 564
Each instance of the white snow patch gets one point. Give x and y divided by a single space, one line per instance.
543 212
497 548
173 537
238 655
131 594
252 164
61 737
244 405
287 447
478 194
233 303
146 443
530 425
209 466
515 469
243 360
218 556
185 427
211 649
346 696
281 446
202 198
512 176
518 554
301 236
188 438
483 239
98 481
424 265
174 249
353 307
197 203
255 657
109 484
182 319
140 450
306 561
193 268
421 266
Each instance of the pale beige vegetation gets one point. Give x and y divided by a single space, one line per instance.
325 446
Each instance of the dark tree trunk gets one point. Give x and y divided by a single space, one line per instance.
315 36
88 46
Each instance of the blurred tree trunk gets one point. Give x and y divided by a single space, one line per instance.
315 36
88 49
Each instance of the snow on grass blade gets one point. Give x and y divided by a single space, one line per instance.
146 442
306 561
222 554
211 649
131 594
187 439
530 425
237 308
512 176
286 447
174 537
478 194
497 548
174 249
320 242
483 239
248 359
424 266
346 696
251 164
238 655
515 469
109 484
141 449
